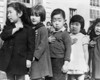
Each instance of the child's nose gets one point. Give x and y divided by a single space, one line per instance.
57 22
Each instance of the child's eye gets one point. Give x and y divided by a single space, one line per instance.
9 12
77 24
54 20
72 23
59 20
37 15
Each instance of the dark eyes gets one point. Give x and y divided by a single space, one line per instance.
59 20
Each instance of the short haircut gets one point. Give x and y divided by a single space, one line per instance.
77 18
58 11
80 19
39 10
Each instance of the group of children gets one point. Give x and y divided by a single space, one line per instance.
57 55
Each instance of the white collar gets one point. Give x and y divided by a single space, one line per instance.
62 29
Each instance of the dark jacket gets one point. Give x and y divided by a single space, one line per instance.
17 48
96 59
41 67
61 47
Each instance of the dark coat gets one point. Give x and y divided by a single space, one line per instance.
41 67
17 48
96 59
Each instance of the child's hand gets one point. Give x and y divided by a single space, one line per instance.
65 67
74 40
33 58
51 39
87 68
28 63
92 43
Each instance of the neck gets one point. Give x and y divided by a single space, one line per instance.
19 21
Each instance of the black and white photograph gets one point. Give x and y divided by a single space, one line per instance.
49 39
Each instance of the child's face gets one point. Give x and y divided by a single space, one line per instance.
13 15
58 21
75 27
35 19
97 29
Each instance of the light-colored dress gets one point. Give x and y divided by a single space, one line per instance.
78 64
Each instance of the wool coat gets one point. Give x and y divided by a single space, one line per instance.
17 48
96 59
41 67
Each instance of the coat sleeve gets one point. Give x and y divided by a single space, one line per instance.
31 44
43 42
7 33
67 43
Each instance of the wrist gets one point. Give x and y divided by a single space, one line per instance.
66 62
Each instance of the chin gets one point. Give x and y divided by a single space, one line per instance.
34 23
11 21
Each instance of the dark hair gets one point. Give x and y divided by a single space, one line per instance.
48 23
58 11
19 7
80 19
91 29
39 10
66 26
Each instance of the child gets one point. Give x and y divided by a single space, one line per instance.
17 50
60 45
41 65
78 65
95 46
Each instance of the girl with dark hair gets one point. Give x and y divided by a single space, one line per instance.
94 32
17 50
78 64
41 64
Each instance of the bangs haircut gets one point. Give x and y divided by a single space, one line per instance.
58 11
78 18
39 10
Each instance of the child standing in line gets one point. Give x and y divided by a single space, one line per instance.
18 47
79 55
41 65
94 33
60 45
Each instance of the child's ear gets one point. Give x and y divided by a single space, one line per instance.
20 14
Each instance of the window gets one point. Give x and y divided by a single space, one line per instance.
26 1
91 2
91 13
72 11
95 3
38 2
94 14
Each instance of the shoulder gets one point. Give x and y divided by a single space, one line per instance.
42 29
85 39
65 33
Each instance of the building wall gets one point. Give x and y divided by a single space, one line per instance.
2 12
